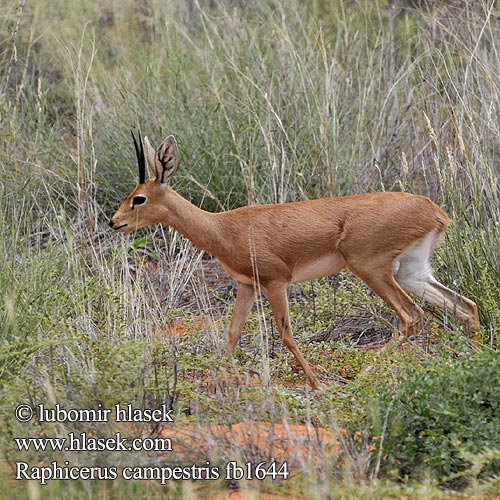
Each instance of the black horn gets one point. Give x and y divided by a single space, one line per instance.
141 160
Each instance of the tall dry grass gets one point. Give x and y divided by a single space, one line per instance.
270 102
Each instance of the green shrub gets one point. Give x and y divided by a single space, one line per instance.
443 415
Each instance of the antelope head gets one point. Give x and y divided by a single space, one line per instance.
144 205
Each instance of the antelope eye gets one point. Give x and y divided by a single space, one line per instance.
138 200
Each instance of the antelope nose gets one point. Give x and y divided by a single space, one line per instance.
111 223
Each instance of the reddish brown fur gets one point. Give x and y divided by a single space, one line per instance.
273 245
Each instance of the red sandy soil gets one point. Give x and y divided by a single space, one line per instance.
267 441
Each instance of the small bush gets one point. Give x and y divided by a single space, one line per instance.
441 416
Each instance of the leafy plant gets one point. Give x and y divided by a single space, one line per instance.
442 414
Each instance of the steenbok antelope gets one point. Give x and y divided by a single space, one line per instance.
386 239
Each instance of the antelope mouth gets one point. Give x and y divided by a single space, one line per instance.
118 228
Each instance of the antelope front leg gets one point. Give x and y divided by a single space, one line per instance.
277 297
245 297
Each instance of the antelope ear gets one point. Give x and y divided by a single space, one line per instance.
166 159
150 157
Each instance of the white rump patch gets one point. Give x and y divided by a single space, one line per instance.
412 269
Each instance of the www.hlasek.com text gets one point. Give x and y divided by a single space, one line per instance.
83 442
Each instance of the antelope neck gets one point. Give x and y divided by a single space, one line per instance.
195 224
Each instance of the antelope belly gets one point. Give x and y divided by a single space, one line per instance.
317 268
